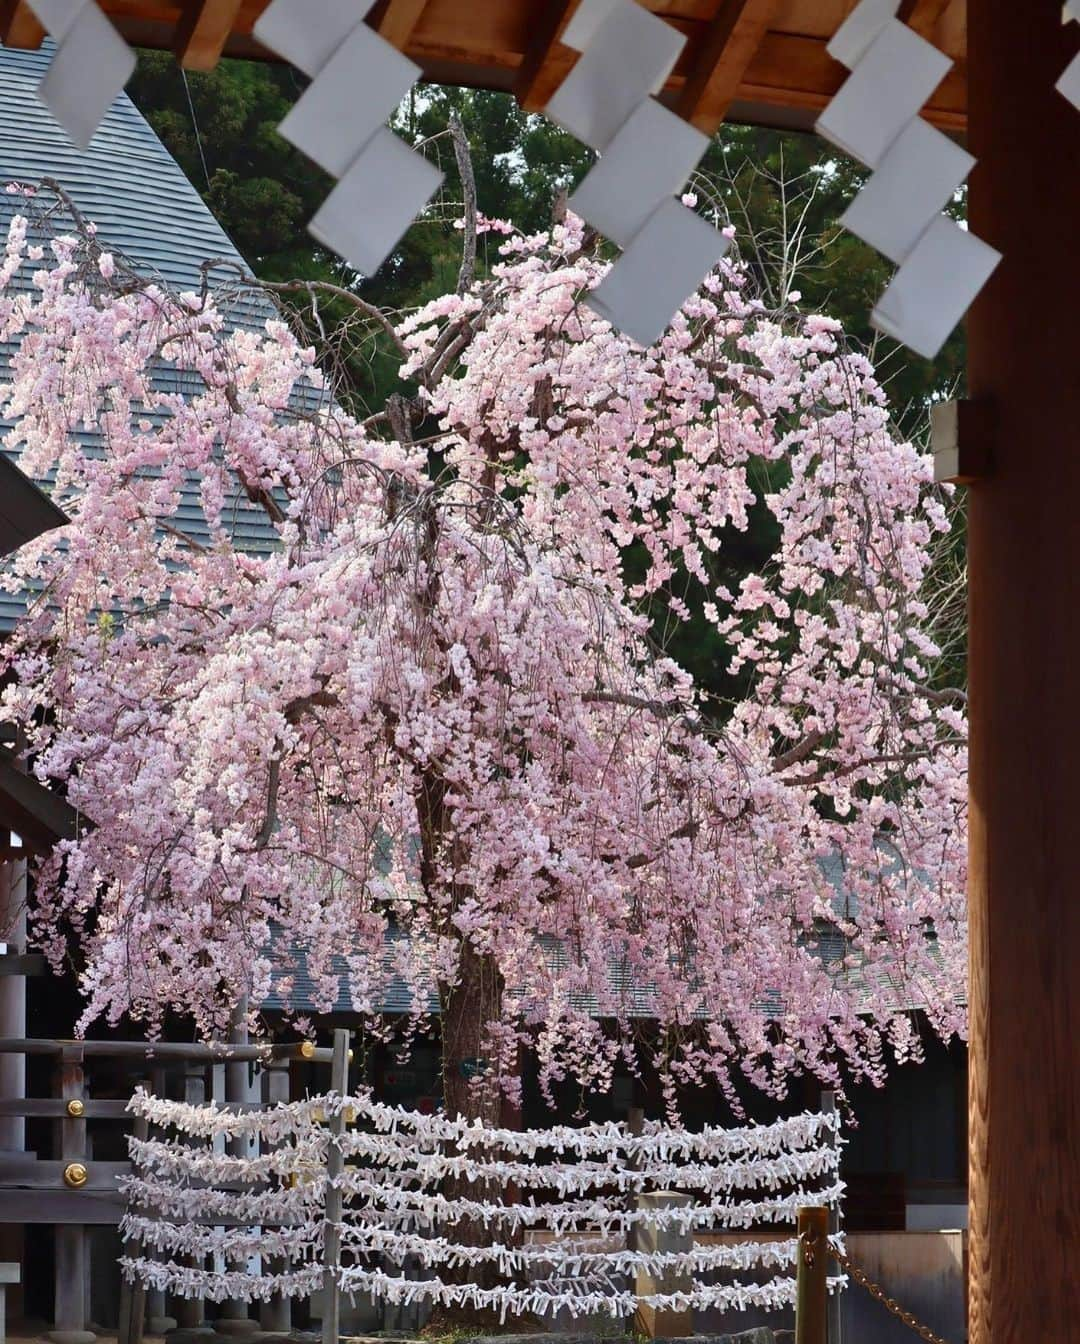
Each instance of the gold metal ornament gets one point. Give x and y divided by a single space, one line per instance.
75 1175
76 1108
307 1050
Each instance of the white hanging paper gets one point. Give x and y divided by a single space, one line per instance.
387 185
1069 83
896 75
934 287
650 158
915 180
586 19
308 32
89 68
352 96
862 25
665 262
629 56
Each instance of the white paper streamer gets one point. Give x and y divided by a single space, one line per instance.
875 119
207 1220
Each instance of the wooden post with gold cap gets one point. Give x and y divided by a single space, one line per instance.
812 1275
335 1165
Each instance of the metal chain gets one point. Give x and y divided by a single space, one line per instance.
876 1291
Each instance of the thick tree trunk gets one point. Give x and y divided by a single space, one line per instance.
466 1009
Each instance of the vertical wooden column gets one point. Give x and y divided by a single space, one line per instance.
13 1023
233 1318
335 1165
157 1318
71 1310
190 1311
1024 365
13 996
275 1315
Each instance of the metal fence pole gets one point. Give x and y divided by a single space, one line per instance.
811 1325
335 1165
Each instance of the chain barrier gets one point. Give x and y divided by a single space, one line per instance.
874 1289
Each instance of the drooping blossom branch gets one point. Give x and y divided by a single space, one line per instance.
411 698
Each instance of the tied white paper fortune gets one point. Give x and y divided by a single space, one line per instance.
1069 83
917 171
646 155
273 1205
89 68
357 80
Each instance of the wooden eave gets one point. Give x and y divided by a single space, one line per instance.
25 510
759 61
37 815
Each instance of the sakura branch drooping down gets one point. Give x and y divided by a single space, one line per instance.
446 701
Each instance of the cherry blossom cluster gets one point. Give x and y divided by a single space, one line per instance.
394 1208
437 728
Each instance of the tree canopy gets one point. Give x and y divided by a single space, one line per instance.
439 725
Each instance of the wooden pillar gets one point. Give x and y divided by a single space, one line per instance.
190 1311
275 1315
13 999
1024 1088
233 1316
71 1310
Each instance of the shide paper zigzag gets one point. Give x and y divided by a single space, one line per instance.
357 80
646 155
875 118
92 63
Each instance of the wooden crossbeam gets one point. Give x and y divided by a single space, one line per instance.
721 60
925 15
397 20
546 61
203 31
19 27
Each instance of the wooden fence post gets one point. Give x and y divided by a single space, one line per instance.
133 1296
335 1165
275 1315
833 1301
71 1309
811 1292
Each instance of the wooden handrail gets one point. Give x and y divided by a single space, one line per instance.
165 1050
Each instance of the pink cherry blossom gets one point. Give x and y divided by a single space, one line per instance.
442 702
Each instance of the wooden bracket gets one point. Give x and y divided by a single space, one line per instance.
961 434
19 27
546 61
721 61
203 31
397 20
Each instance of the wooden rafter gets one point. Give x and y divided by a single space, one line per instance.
19 26
546 60
925 15
721 61
203 31
396 19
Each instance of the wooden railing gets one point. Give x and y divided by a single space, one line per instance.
74 1190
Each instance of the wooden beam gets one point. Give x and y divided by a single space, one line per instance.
202 32
926 15
398 19
546 62
19 27
721 61
1023 654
